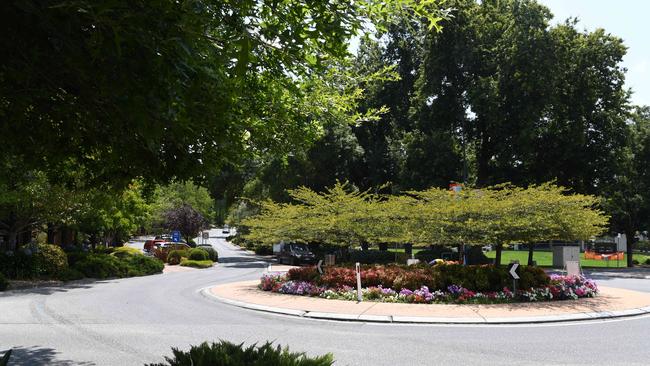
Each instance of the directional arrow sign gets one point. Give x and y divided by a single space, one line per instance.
512 269
319 266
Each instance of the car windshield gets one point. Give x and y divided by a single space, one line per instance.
299 248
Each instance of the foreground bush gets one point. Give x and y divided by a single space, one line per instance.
196 264
229 354
20 264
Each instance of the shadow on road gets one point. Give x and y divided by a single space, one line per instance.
36 356
53 288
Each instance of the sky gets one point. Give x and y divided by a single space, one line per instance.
626 19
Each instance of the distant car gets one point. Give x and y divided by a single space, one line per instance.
225 230
150 245
295 254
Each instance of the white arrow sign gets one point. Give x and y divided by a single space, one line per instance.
513 271
319 266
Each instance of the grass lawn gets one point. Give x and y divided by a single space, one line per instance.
546 259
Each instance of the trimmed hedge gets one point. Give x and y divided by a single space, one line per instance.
196 264
198 254
473 277
226 353
212 254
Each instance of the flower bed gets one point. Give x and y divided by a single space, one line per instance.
382 286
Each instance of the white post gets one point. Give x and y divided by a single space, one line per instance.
358 268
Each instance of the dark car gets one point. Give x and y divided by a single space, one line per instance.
296 254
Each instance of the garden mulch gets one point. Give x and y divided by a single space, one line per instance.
610 303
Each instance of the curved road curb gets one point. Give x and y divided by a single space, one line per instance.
430 320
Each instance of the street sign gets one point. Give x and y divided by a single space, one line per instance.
176 236
319 266
512 269
358 270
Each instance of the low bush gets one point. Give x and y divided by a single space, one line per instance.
263 250
196 264
140 265
52 260
70 274
4 283
225 353
303 274
436 252
104 266
175 256
122 252
101 266
19 264
647 261
198 254
212 254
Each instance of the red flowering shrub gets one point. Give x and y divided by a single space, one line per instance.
308 274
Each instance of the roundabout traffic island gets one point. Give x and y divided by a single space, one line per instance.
441 294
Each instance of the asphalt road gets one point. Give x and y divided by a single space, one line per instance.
135 321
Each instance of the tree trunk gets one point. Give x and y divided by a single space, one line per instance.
408 249
383 247
531 249
497 258
364 246
629 235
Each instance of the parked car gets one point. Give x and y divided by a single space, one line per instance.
295 254
226 229
150 245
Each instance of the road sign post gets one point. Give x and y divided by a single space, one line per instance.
513 269
319 266
176 236
358 270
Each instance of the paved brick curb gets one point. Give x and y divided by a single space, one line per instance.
430 320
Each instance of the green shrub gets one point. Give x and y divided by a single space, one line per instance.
198 254
102 266
140 265
75 256
19 264
196 264
52 260
125 251
212 254
263 249
229 354
174 257
70 274
371 256
532 276
647 261
4 283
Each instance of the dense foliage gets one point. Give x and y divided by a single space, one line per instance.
441 283
493 215
225 353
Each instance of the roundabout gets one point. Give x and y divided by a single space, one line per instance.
610 303
134 321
